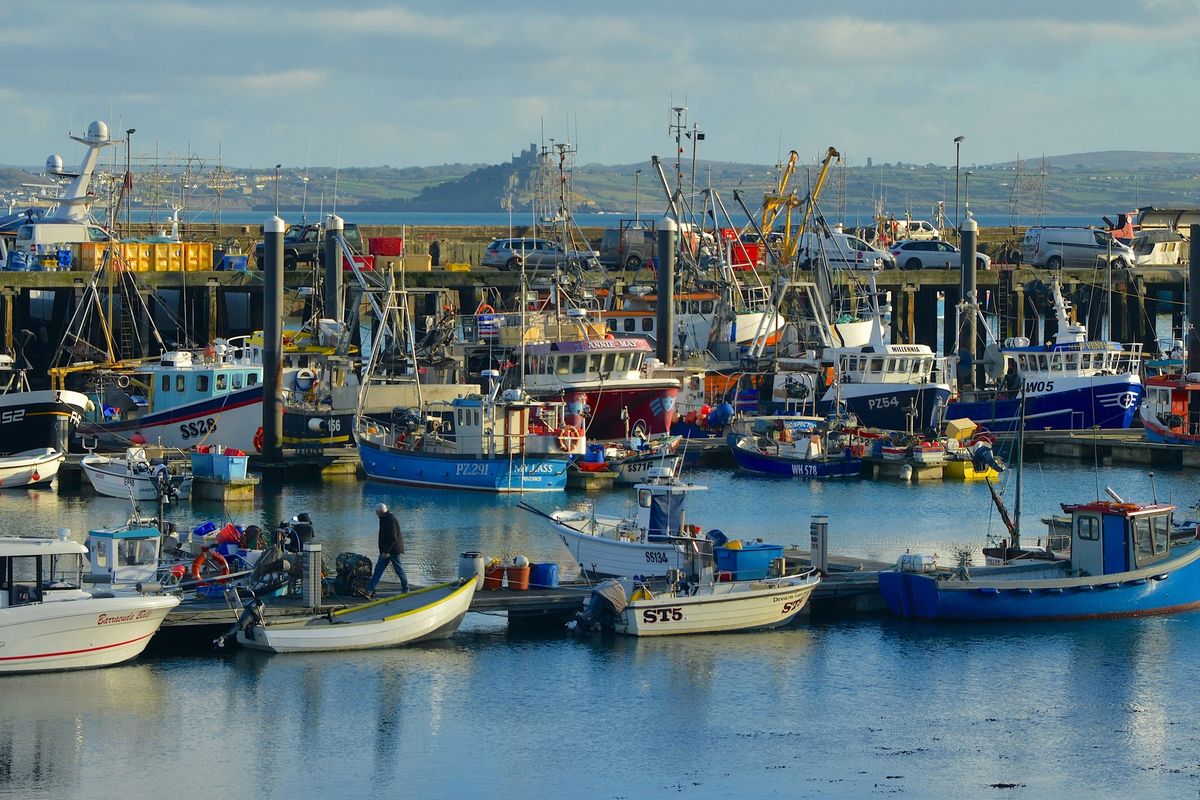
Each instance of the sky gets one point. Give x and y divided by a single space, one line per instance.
305 83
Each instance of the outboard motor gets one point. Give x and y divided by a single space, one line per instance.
605 606
302 525
252 614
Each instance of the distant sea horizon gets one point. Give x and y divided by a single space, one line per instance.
500 219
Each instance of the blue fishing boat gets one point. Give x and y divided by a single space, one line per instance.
474 442
808 456
1124 562
1071 383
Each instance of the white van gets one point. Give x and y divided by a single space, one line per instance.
918 229
31 235
843 251
1057 247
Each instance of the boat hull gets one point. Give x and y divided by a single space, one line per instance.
79 634
755 461
613 413
43 418
602 557
528 474
231 419
1078 404
30 468
345 630
892 407
636 469
1165 588
733 606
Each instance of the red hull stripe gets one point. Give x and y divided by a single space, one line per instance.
77 652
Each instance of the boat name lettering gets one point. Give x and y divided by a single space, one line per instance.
652 615
906 348
105 619
883 402
539 469
471 469
335 424
656 557
198 428
790 606
1039 386
804 469
12 416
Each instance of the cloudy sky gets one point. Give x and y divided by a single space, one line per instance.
421 83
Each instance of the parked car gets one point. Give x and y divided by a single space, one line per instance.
305 244
932 254
507 254
1057 247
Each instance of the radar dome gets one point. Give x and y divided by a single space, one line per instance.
97 132
54 163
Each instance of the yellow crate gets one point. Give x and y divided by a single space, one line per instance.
418 263
458 268
135 256
197 256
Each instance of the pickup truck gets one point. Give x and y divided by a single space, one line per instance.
305 244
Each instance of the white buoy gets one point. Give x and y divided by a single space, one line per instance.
906 472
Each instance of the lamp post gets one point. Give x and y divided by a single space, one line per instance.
637 219
128 181
958 140
277 168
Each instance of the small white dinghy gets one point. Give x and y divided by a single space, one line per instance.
30 468
430 613
134 476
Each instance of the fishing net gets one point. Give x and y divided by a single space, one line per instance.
353 574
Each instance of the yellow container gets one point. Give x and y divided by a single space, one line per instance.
418 263
458 267
135 256
197 256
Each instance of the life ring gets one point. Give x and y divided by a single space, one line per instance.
568 438
484 308
258 439
216 558
306 379
210 353
122 381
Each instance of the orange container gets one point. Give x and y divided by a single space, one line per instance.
518 578
493 578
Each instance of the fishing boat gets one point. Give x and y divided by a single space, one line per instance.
1070 383
30 468
1123 562
632 460
805 457
487 443
650 543
31 421
49 623
134 476
430 613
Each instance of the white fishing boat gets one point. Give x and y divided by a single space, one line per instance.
30 468
636 609
649 543
49 623
134 476
431 613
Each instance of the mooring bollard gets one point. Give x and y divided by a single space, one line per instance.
818 548
311 581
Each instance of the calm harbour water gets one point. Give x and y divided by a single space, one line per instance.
848 707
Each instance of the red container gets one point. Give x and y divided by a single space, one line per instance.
364 262
518 578
746 255
493 578
386 245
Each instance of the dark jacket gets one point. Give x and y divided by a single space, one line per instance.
391 543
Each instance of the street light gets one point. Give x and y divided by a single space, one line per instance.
277 167
636 216
958 140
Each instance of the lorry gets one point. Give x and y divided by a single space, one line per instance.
305 244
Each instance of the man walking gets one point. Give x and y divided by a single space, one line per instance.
391 545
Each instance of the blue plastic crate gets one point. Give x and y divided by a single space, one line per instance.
230 468
202 465
751 562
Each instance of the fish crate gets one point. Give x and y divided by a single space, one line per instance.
751 562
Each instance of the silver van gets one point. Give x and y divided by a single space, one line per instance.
627 248
1057 247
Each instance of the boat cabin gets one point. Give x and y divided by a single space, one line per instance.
1108 537
40 570
124 557
1173 403
471 426
594 362
1071 360
662 502
898 363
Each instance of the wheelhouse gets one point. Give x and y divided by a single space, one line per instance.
1109 538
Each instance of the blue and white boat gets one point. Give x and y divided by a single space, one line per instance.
809 452
475 442
1069 384
1124 562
